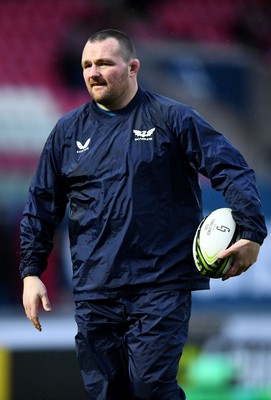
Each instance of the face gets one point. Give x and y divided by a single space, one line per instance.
109 79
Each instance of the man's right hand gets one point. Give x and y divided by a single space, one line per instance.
34 294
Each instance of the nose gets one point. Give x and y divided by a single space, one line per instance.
94 71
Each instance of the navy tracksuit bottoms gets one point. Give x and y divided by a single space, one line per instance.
129 348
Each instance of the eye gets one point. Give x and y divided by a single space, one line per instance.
105 63
86 66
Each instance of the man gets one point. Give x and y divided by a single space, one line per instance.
127 163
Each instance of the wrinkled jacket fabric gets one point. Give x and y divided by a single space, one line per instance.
131 182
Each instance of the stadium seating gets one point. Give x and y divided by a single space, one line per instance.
30 38
31 31
196 19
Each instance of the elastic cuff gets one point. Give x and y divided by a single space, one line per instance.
30 271
253 236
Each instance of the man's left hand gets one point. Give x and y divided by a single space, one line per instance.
244 253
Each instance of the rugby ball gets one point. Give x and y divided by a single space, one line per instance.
216 232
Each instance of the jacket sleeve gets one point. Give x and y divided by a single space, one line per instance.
43 212
212 155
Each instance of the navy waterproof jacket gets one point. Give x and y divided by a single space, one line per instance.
131 181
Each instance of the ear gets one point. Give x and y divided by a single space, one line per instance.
134 66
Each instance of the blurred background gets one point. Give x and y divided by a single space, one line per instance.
213 55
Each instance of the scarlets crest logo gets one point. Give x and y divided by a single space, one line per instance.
144 135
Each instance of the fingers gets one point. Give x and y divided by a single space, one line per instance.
46 303
244 254
35 321
235 270
34 294
32 312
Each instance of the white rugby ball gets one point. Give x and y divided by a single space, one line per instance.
216 232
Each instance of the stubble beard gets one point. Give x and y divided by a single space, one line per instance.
111 95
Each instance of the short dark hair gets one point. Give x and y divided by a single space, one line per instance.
126 45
